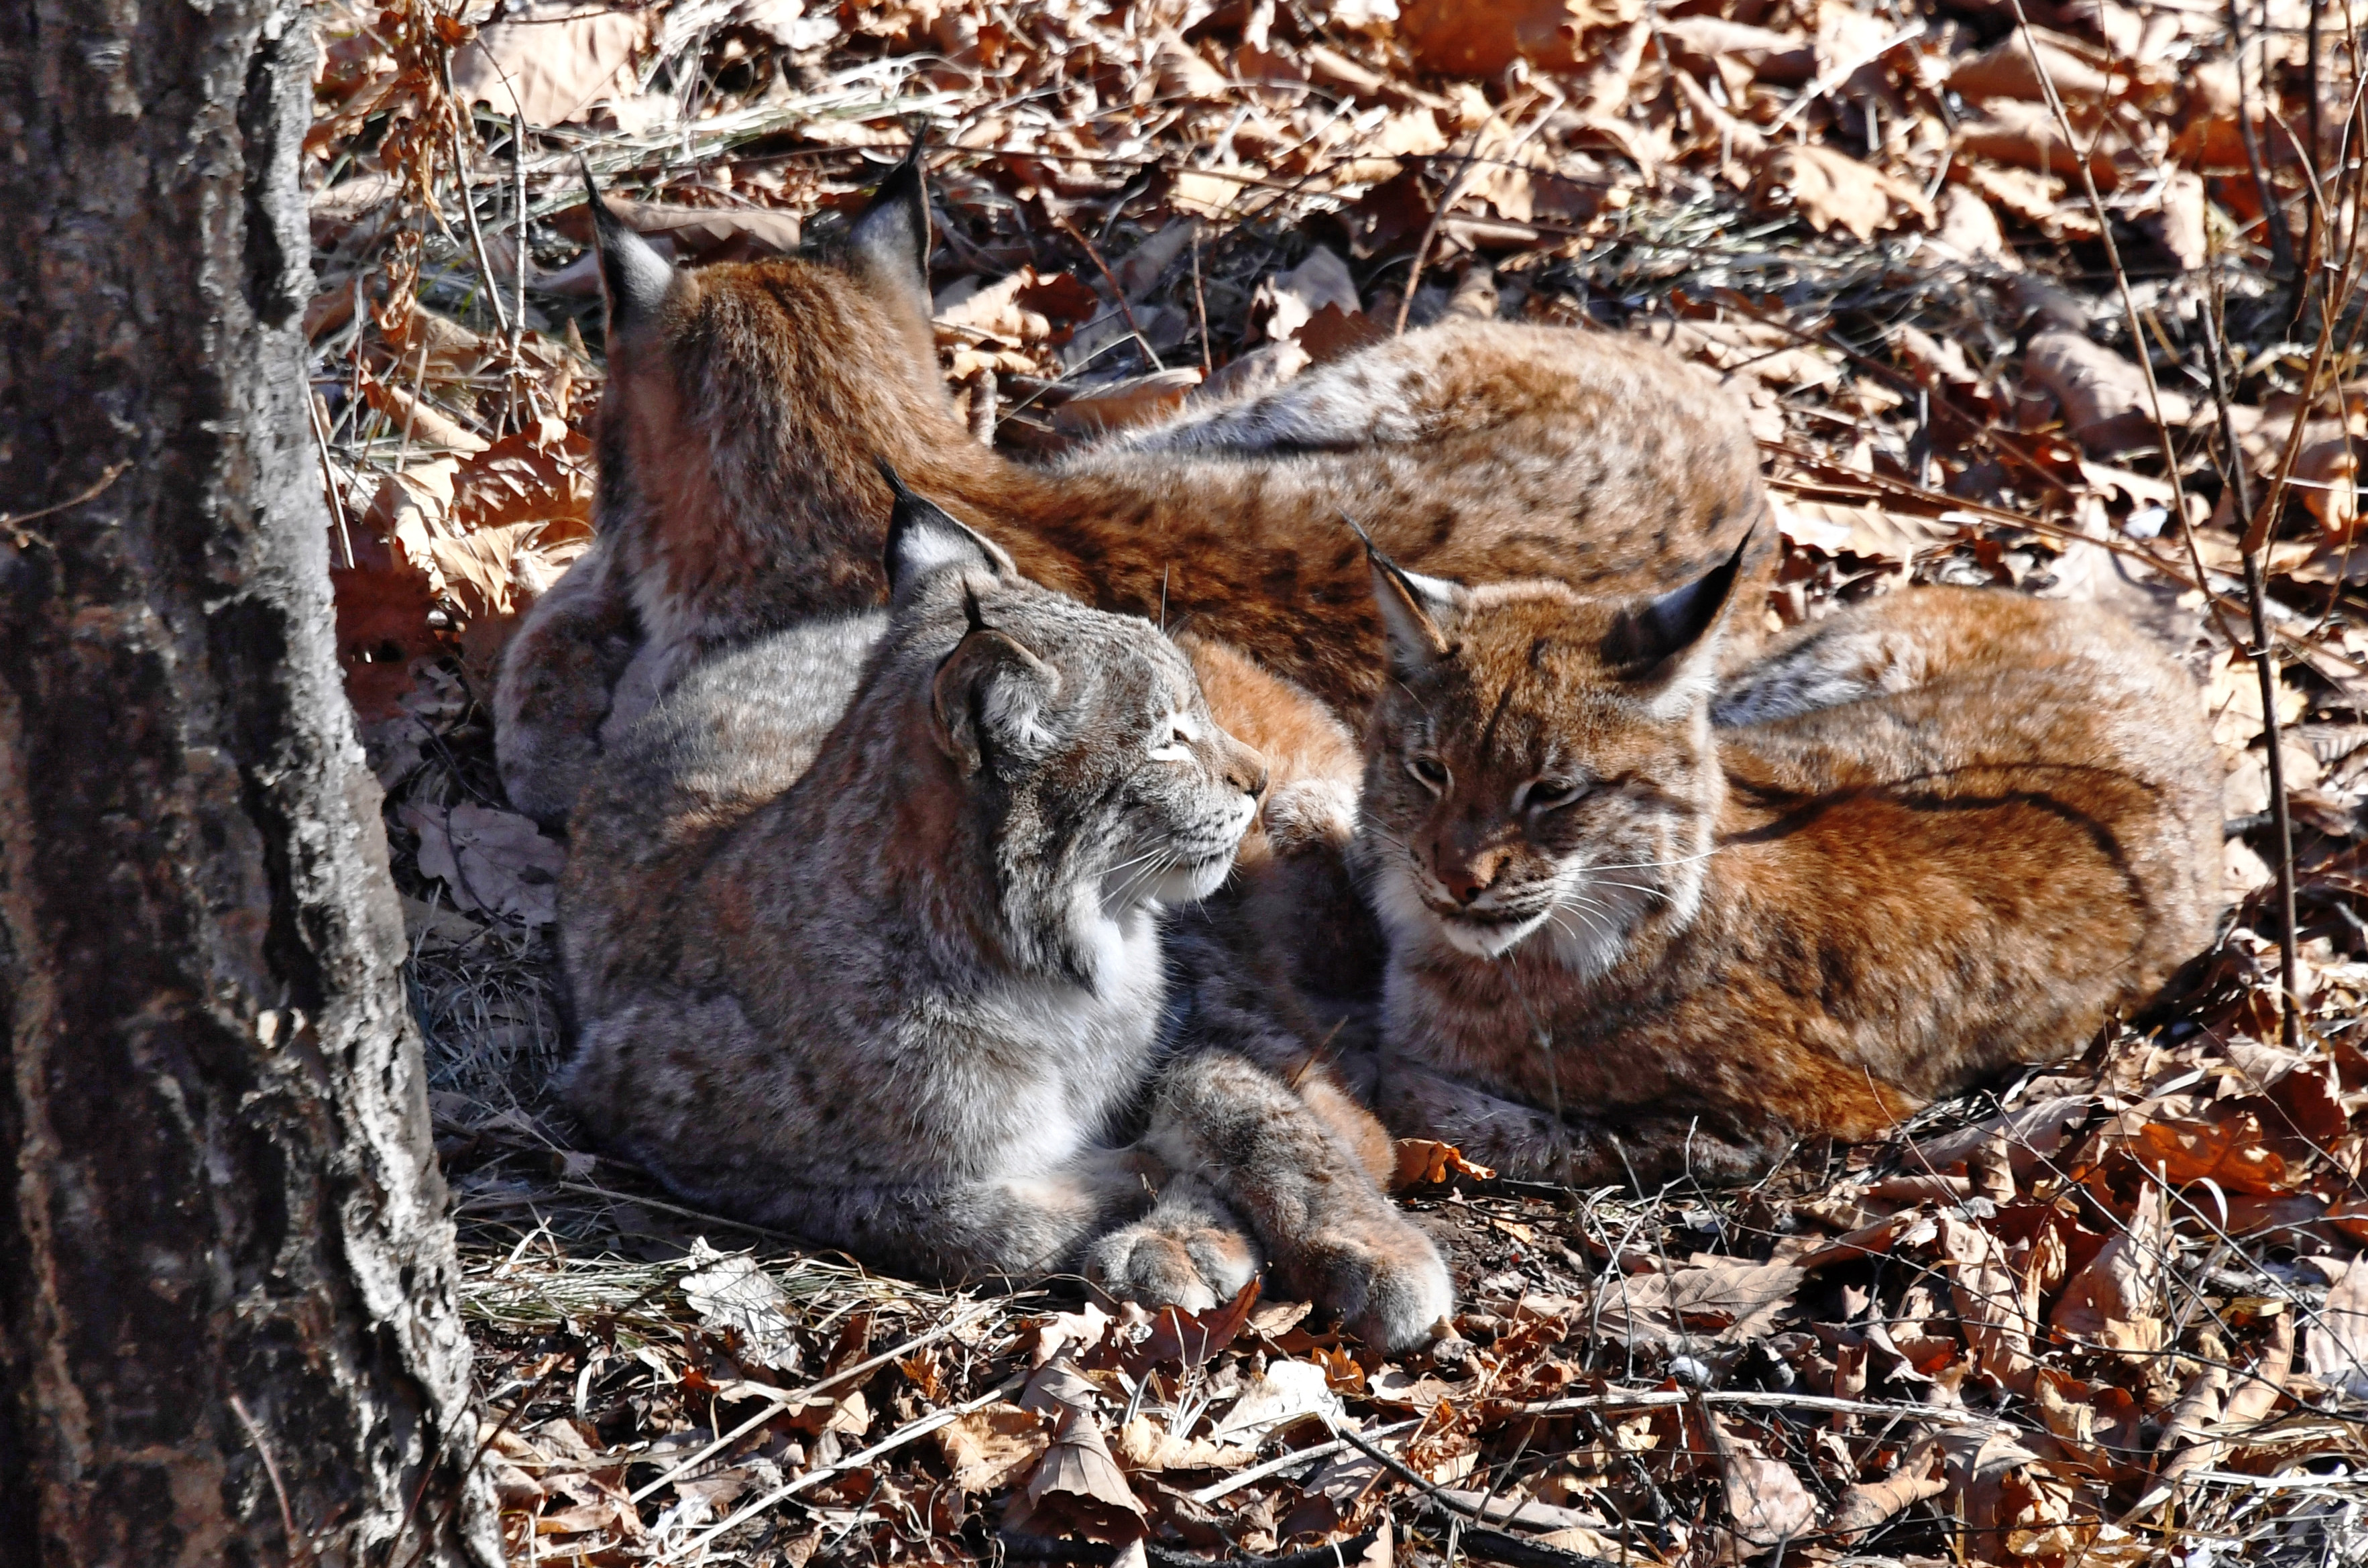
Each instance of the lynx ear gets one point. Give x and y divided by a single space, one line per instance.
1418 612
888 245
634 279
1671 643
924 539
989 698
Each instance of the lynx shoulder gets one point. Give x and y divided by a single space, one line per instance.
861 926
1642 920
737 495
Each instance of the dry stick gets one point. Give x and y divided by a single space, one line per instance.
328 475
2312 237
2281 251
1259 1472
2265 663
469 205
1093 253
299 1547
1447 199
518 167
2130 312
1471 1533
896 1440
1200 310
10 520
973 1313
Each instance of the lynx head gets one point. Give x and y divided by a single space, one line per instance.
1080 741
745 399
1540 764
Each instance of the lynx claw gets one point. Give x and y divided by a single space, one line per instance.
1393 1292
1191 1264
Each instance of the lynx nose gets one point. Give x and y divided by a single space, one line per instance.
1246 770
1469 879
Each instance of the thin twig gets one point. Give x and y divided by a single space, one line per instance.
896 1440
2281 251
970 1313
2265 663
1093 254
1257 1473
300 1546
10 520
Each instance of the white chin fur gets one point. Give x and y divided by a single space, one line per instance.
1485 941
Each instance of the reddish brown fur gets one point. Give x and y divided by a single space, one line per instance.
738 492
1934 836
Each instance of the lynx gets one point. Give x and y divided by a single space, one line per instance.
862 927
737 495
1645 923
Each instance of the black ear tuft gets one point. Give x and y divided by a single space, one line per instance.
1647 636
888 244
634 279
924 538
1416 611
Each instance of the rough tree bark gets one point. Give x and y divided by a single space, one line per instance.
226 1269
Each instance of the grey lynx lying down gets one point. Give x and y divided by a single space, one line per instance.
861 926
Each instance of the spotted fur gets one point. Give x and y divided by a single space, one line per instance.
1641 922
861 928
737 495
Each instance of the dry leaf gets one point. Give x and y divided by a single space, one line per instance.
1076 1489
1140 400
1423 1163
1284 1392
2104 395
1143 1444
1828 187
2116 1302
1868 1502
1286 301
1456 38
1729 1299
1766 1503
2336 1354
552 59
1992 1307
988 1449
494 862
736 1296
2006 69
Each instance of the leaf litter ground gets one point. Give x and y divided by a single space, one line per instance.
1960 256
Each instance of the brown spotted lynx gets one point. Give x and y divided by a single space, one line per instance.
1643 922
862 927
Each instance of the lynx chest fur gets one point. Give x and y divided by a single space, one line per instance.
1643 922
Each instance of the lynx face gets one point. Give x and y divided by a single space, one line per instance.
1085 734
1541 767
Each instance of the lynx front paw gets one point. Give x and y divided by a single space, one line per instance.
1388 1283
1191 1261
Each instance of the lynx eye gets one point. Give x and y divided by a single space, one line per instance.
1547 794
1429 772
1178 747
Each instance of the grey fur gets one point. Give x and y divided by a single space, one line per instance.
862 926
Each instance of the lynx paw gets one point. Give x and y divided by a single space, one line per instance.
1387 1282
1190 1260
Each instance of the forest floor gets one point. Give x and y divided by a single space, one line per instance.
1962 260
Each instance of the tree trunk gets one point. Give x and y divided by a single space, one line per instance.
227 1322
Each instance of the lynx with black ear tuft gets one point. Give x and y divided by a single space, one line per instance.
1669 644
888 244
634 279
